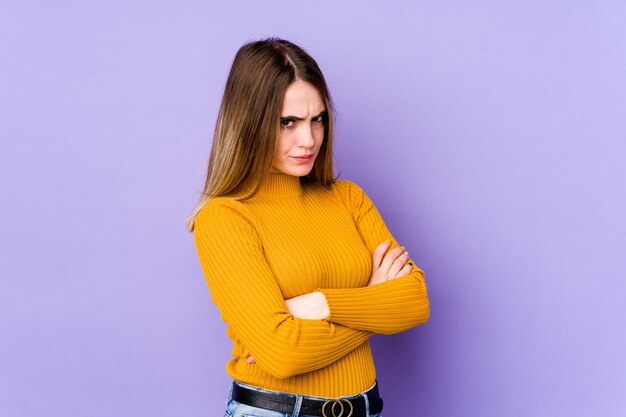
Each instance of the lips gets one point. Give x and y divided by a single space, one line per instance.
304 157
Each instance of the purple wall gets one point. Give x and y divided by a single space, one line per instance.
491 137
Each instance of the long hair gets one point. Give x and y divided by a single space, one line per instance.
248 123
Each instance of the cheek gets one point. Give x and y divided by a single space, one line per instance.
282 143
318 132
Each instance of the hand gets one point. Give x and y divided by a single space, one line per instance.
389 265
311 306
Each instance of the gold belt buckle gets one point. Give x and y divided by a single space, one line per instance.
337 402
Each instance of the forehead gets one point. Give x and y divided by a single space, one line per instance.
301 98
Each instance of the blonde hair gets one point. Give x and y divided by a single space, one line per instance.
248 121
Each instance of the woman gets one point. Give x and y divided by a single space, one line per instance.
300 264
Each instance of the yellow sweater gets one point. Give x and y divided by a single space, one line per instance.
292 239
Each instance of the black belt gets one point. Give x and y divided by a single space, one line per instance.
333 407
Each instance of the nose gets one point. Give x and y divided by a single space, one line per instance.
305 138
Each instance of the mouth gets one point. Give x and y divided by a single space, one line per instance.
303 158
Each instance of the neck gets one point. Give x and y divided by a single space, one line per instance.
281 185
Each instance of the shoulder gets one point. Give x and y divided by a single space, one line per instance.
220 211
347 187
349 191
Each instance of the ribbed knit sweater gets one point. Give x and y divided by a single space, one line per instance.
292 239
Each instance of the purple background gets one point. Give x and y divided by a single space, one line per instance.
491 136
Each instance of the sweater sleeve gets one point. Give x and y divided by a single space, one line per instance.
389 307
247 294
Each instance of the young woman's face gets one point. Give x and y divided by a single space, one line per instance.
302 119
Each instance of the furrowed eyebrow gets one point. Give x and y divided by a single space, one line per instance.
322 113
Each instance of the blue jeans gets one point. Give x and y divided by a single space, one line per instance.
235 409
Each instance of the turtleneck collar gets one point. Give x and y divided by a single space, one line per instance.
281 185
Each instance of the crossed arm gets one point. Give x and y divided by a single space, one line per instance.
386 266
277 332
395 298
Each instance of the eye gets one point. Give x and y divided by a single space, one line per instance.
287 123
319 119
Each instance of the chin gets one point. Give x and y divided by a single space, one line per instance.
300 171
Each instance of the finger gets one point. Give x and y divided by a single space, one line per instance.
398 264
390 258
379 253
250 359
406 270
